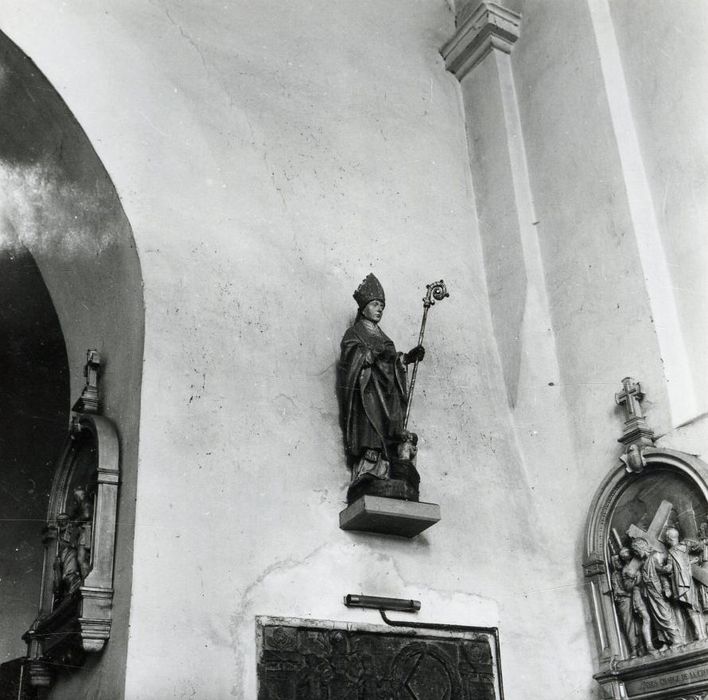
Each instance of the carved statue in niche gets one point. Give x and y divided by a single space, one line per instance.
67 574
374 391
73 559
75 607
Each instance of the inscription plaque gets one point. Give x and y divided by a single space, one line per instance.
338 661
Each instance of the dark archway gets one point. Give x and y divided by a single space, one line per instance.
34 393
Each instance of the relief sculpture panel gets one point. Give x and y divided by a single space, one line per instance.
658 559
321 662
646 566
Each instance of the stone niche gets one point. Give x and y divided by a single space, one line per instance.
75 608
322 660
646 572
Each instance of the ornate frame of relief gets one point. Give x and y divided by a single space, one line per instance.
77 619
321 658
676 672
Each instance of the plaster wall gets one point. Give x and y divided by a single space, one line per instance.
665 64
603 298
599 293
268 156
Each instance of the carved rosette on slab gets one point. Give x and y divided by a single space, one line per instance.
79 538
375 399
646 567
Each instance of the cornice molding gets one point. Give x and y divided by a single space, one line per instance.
489 26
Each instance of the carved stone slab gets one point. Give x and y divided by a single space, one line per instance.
389 516
325 660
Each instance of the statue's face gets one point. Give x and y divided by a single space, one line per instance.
373 310
639 547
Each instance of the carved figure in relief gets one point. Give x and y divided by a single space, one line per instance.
703 563
373 385
622 587
656 590
83 514
74 534
67 573
632 577
683 589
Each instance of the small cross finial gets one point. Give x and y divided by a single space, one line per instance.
636 431
630 396
89 401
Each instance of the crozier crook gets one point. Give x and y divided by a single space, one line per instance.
437 291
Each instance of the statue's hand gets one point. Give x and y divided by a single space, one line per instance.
416 354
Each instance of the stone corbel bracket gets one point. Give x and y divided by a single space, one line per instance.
489 26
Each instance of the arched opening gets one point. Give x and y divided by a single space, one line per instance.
70 280
34 392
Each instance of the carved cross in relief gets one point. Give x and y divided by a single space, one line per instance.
630 397
687 522
653 533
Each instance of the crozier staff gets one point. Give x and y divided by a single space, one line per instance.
373 385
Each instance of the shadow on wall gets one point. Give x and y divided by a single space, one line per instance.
70 279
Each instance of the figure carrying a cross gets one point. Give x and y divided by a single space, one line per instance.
666 580
655 592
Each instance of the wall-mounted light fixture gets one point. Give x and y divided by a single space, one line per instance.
372 601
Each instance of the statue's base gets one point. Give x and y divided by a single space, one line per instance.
389 516
401 484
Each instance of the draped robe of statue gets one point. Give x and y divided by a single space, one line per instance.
702 588
622 594
660 611
685 592
374 395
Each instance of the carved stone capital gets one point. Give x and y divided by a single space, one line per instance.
489 26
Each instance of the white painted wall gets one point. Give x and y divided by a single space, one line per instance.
268 156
